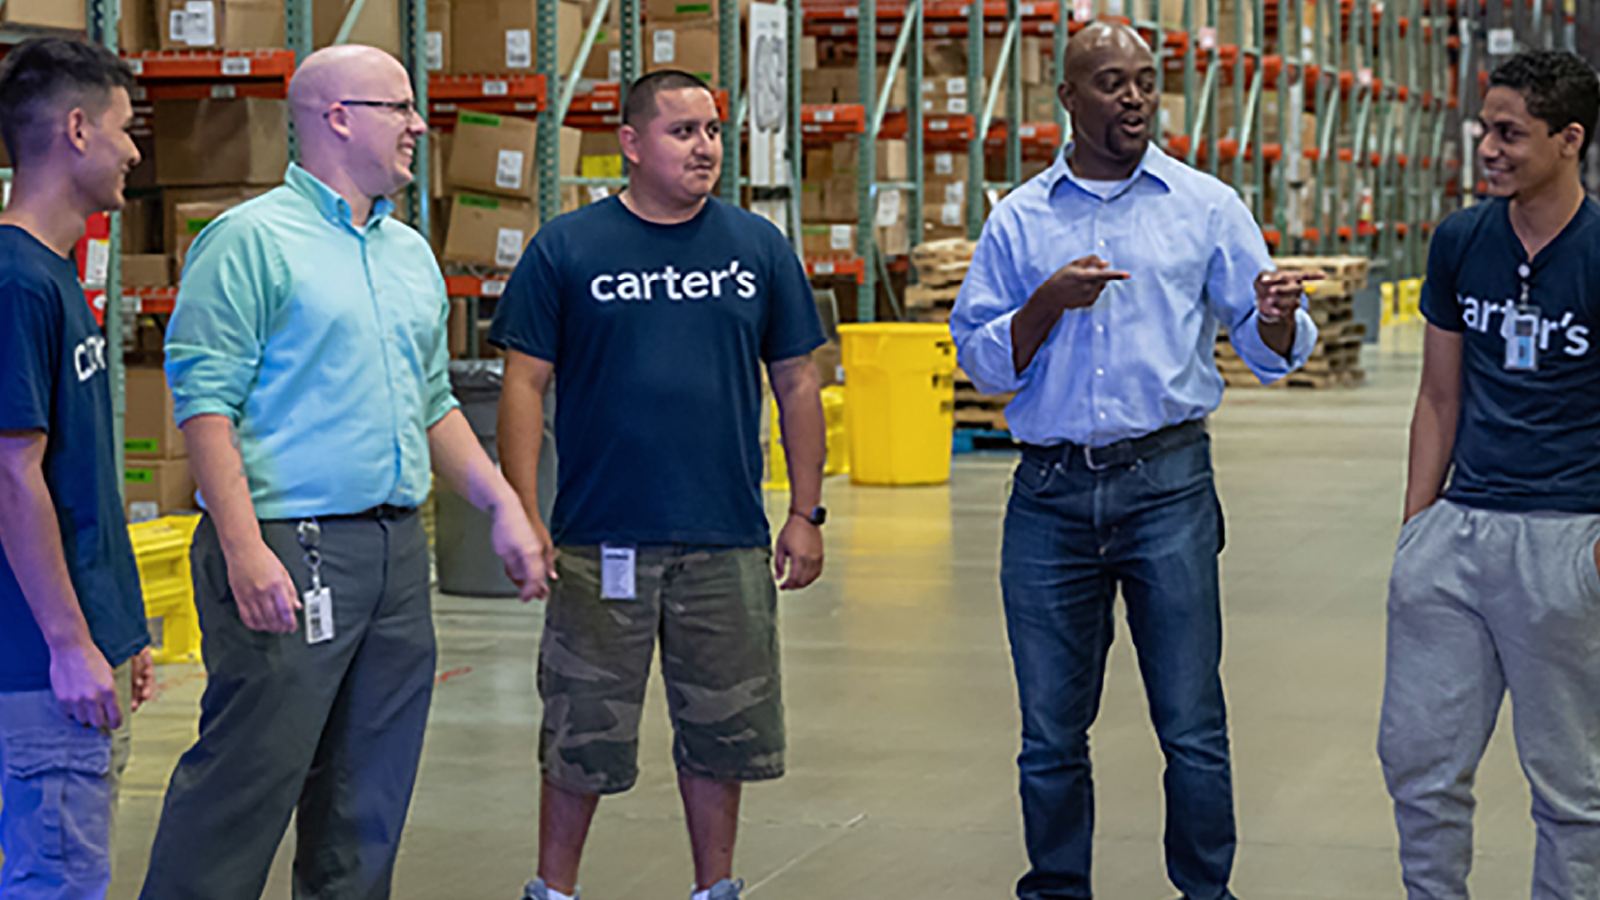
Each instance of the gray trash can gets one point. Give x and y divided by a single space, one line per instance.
467 563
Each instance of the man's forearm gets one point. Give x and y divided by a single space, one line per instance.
520 438
1433 439
1278 336
31 538
1030 328
805 438
460 461
217 464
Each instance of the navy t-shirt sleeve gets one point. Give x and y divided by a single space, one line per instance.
793 326
527 317
29 339
1438 301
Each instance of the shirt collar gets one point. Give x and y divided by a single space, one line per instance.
328 201
1155 164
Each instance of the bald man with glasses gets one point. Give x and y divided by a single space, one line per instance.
308 362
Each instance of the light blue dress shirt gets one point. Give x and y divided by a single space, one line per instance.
325 343
1141 357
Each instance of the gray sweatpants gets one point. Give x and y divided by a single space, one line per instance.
330 733
1481 602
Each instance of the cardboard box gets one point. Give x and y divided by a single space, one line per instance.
893 161
811 205
605 58
156 487
944 57
456 328
437 38
241 140
819 239
227 24
378 24
150 432
146 270
489 231
492 154
688 46
1039 103
192 218
894 240
808 53
839 200
571 150
172 198
494 37
846 157
681 10
136 27
141 226
817 163
944 164
44 14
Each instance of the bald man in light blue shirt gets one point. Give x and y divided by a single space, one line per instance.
1095 293
308 361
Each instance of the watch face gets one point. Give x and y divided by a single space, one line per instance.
819 515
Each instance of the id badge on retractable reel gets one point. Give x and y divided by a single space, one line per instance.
1522 332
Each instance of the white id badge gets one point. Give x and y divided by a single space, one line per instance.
319 615
1522 343
618 576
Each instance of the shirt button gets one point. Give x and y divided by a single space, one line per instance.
1100 328
1099 371
1102 243
1102 415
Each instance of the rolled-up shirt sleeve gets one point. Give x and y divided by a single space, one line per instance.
989 299
215 338
1240 255
440 398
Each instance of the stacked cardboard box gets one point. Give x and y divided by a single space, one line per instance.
226 24
493 181
498 37
156 476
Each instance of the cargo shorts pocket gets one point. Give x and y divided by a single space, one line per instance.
59 780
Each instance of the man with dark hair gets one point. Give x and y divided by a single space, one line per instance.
1095 293
1494 586
653 311
74 657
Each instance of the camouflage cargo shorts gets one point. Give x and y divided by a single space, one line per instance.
715 613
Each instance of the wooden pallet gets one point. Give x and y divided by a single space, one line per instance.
922 296
981 417
946 273
945 252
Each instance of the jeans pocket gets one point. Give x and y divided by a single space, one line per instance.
1409 529
1033 476
62 775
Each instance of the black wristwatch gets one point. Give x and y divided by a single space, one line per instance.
819 515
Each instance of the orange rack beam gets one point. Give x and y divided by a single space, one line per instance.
830 266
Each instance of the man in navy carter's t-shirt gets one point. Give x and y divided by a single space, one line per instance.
74 657
1495 586
654 312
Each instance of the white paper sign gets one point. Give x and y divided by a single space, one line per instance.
199 23
519 48
950 214
665 49
237 66
944 164
508 248
496 88
956 106
98 263
840 238
1502 41
508 170
888 209
434 50
492 287
614 66
598 192
768 49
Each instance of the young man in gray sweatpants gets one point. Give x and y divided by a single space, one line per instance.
1495 586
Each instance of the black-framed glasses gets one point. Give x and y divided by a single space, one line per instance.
403 107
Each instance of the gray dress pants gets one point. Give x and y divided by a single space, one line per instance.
331 732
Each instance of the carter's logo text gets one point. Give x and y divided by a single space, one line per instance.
90 357
642 287
1478 314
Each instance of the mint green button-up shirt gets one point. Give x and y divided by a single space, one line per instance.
325 344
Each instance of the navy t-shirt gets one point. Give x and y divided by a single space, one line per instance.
53 378
1525 440
657 334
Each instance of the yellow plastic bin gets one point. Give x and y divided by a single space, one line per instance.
161 548
900 381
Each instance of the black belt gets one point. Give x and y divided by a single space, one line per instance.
1122 453
384 513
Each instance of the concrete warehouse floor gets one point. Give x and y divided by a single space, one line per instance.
902 711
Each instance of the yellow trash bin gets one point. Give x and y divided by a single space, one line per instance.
161 548
900 380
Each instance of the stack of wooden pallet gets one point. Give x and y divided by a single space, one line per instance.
1336 360
974 409
941 266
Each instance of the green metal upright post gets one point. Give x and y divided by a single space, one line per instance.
915 132
1013 76
102 17
867 159
628 38
728 45
975 100
298 37
1209 92
795 150
1058 38
547 155
414 41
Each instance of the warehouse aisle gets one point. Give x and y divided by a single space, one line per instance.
902 710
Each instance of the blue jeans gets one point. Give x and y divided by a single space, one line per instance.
1073 536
